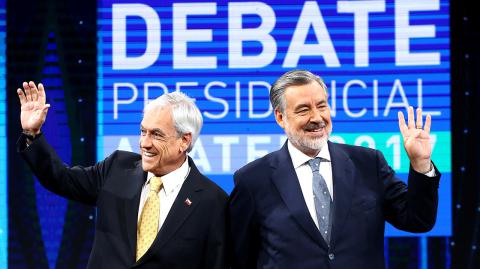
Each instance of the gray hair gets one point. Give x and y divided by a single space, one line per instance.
291 78
185 114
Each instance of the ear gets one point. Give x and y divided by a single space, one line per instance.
186 142
279 118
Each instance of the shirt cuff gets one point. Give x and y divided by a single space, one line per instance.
431 173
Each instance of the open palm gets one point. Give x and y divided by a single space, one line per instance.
416 139
33 107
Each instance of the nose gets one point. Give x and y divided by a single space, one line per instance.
315 115
145 141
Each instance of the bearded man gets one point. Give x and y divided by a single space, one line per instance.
318 204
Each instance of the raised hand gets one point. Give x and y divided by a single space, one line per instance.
33 107
416 139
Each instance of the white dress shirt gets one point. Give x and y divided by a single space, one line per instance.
172 183
305 175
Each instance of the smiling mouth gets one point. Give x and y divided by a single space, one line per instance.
318 132
315 128
148 154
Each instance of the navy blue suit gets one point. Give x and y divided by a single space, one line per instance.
192 236
271 227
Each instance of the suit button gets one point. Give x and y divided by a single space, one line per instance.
331 256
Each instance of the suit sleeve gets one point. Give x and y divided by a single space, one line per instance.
216 252
243 228
411 208
77 183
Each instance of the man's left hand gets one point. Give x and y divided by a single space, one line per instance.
416 139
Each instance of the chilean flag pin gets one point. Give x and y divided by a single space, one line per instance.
188 202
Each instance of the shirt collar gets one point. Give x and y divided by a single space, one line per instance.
299 158
173 179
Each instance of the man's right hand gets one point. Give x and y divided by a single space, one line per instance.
33 107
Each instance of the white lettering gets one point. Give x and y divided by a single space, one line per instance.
360 10
311 17
120 60
345 98
201 161
226 142
397 86
117 102
221 101
404 32
252 142
251 113
146 90
182 35
237 35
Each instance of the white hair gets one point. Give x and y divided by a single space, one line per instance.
185 114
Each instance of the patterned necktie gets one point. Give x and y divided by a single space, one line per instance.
321 197
148 224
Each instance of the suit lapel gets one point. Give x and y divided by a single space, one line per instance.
286 181
343 187
131 207
181 209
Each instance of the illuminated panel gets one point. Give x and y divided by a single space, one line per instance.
3 144
375 58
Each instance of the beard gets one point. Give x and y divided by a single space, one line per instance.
306 143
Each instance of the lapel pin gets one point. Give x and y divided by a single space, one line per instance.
188 202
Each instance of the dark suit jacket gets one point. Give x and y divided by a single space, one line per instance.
271 227
193 236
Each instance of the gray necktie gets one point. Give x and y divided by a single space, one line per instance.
321 197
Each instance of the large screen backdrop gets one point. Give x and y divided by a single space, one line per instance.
3 143
376 57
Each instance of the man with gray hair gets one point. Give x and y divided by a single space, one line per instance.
154 209
317 204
